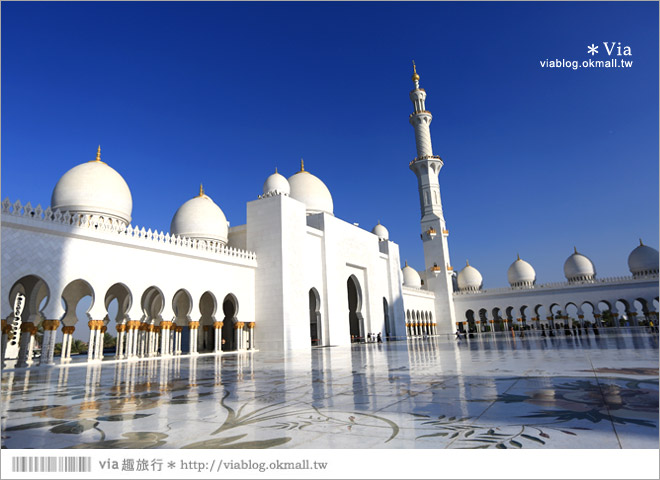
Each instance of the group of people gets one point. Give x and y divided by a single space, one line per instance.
370 338
373 337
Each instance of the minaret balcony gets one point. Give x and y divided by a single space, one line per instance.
445 232
425 157
435 270
418 112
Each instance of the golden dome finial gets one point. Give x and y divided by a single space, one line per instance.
467 262
518 255
275 169
98 154
575 249
415 77
406 263
641 244
302 165
201 190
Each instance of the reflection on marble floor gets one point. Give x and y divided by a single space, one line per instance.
582 392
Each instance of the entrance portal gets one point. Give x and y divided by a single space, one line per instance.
229 308
355 318
314 317
386 314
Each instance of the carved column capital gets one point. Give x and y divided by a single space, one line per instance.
27 326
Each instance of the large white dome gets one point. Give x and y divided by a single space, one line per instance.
202 219
579 268
521 274
410 277
310 190
276 184
93 188
381 232
643 260
469 279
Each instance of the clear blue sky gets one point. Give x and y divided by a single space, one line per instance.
537 160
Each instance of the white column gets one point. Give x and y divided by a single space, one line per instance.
92 340
130 340
45 347
48 344
119 354
30 349
194 329
217 337
5 339
251 335
99 345
24 352
67 339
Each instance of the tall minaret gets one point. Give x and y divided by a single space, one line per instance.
434 230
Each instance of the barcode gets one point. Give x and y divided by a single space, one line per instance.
51 464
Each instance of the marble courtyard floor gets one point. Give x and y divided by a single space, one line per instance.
490 392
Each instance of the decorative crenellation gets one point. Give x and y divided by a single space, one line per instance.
109 225
573 284
273 193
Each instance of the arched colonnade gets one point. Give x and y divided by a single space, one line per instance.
216 328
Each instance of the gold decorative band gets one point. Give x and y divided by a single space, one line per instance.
95 324
26 326
51 324
218 324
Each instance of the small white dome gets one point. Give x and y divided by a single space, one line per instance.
311 191
93 188
521 274
276 184
200 218
381 232
579 268
469 279
643 260
410 277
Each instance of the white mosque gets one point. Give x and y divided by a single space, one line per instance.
293 277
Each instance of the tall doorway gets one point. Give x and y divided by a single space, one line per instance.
229 308
314 317
355 318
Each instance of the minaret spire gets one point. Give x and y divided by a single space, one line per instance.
415 77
